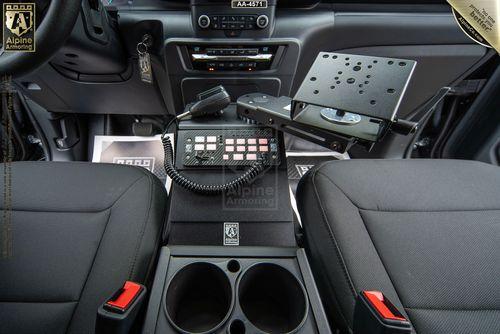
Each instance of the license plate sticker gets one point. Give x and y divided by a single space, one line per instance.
249 4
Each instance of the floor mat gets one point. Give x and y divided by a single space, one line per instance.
146 152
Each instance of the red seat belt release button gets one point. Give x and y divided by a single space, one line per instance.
375 314
124 297
382 306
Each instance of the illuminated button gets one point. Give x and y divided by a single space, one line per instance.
229 141
240 148
252 141
225 157
252 156
263 141
252 148
211 139
199 139
211 147
240 141
263 148
199 147
229 148
238 157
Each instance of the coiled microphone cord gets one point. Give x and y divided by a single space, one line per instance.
205 189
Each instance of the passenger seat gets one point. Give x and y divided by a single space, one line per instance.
426 233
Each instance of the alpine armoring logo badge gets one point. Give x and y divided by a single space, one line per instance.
19 27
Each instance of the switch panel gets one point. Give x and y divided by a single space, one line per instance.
235 147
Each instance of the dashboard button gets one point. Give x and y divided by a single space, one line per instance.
262 21
204 21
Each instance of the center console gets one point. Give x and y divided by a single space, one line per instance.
229 43
216 150
234 291
232 265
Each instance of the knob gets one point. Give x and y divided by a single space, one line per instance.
204 21
262 21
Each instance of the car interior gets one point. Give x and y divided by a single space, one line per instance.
270 166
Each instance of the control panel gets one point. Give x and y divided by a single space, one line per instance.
233 22
232 19
232 147
232 58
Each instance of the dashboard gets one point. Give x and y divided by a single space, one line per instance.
185 4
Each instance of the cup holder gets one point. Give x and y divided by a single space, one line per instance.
272 299
199 298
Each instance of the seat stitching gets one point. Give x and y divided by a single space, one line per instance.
79 211
37 302
430 211
332 236
336 246
55 211
362 220
452 309
380 258
143 229
364 224
89 272
97 251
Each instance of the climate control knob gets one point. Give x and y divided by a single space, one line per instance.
262 21
204 21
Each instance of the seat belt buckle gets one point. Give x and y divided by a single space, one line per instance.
375 314
117 314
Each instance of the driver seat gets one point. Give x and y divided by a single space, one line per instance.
426 233
76 232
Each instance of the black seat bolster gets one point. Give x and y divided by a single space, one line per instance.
79 230
337 242
418 230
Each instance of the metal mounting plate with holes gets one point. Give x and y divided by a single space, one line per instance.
366 85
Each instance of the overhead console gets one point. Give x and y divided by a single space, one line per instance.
233 18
